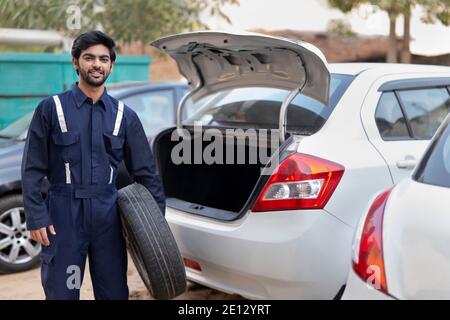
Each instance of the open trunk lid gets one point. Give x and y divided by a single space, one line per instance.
213 61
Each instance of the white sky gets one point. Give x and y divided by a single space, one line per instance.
314 15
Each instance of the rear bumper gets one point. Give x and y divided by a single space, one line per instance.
357 289
273 255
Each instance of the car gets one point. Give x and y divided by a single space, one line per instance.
17 251
350 130
400 249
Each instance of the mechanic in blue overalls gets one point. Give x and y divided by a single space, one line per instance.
77 140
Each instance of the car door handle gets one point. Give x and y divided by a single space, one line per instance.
407 163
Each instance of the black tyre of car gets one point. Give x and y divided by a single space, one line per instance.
14 237
151 243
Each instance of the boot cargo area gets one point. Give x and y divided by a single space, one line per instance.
217 190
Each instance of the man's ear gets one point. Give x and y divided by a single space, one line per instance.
112 66
75 65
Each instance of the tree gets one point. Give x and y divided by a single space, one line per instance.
340 27
393 9
434 10
126 20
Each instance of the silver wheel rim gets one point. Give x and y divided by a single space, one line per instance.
16 247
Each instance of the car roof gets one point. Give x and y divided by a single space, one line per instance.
384 68
350 68
129 87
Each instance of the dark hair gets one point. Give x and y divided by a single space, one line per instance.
92 38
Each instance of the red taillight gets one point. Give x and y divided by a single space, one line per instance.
368 260
192 264
301 181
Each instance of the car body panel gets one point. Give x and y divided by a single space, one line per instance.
248 256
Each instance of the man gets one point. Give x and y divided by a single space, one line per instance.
77 140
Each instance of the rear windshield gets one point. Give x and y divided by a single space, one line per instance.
435 166
259 108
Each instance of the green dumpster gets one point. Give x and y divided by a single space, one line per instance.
25 78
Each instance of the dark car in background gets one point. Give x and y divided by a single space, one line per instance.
155 104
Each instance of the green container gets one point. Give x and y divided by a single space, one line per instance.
26 78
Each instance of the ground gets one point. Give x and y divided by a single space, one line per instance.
27 286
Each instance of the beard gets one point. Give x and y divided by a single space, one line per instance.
94 77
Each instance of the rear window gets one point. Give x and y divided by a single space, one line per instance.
259 107
435 166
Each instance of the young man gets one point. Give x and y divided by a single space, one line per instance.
77 140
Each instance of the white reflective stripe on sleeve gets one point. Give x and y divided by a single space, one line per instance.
111 175
118 118
59 111
68 179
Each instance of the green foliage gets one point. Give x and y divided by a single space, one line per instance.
435 10
341 27
125 20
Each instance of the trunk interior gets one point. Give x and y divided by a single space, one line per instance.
215 190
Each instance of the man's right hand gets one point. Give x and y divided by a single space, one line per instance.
40 235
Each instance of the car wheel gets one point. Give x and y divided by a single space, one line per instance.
151 243
17 251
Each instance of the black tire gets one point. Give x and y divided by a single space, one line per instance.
24 260
151 243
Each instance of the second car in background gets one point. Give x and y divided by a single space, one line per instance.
401 249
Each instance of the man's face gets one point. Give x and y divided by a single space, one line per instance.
94 65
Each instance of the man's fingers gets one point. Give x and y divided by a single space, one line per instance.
52 230
43 233
37 236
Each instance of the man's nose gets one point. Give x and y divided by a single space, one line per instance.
96 63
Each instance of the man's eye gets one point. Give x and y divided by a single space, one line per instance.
105 60
88 58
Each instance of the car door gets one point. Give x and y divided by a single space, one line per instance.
401 114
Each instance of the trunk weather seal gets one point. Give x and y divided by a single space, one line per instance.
190 93
284 106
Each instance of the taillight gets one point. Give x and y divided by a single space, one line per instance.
301 181
367 257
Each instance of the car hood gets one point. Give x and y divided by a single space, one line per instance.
213 61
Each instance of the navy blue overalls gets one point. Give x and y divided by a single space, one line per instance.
78 146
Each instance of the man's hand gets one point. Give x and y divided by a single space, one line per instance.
40 235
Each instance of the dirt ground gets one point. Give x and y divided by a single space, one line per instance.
27 286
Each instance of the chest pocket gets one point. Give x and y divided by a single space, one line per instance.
113 146
113 142
67 144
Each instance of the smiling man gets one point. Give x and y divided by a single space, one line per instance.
77 140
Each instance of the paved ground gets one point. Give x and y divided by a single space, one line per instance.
27 286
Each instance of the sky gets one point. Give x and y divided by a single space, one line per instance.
314 15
